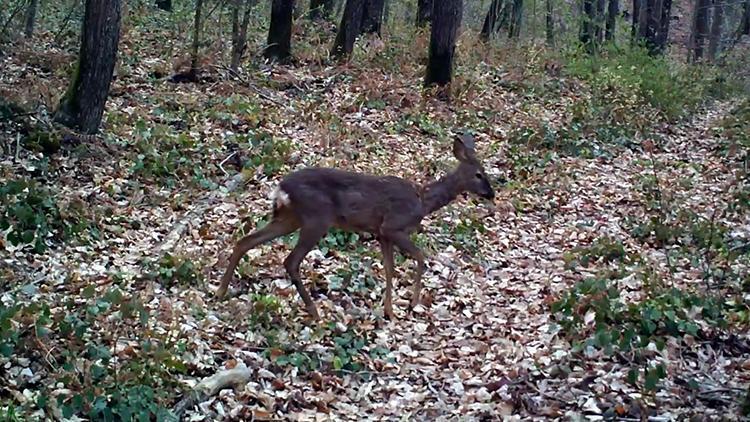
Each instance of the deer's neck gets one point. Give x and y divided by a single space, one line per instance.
440 193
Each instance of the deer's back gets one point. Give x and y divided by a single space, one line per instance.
353 201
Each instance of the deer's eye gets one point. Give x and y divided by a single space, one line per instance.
478 175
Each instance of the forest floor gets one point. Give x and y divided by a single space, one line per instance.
485 342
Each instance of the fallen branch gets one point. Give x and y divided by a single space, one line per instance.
239 375
174 236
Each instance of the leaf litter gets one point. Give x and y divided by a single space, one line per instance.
483 344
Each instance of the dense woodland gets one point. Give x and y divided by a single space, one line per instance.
584 253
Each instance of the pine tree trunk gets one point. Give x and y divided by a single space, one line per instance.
280 33
196 39
612 12
700 28
31 18
490 20
348 29
372 16
164 5
446 21
516 18
550 24
82 106
424 12
714 41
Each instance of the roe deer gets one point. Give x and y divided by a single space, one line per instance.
314 200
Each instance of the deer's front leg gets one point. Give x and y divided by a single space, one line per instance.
405 244
386 246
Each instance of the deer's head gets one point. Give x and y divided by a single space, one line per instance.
471 175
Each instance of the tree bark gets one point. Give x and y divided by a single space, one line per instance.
587 26
744 27
320 9
516 18
613 9
31 18
550 24
653 24
164 5
700 28
424 12
714 40
599 21
446 21
372 16
196 39
82 106
239 30
349 28
280 32
490 25
634 21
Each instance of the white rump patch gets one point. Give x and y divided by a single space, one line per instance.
280 198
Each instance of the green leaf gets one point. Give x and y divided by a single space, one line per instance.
652 378
633 376
338 364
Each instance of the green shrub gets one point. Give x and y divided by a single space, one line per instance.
631 73
266 152
32 214
593 314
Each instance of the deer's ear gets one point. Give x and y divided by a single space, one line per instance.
463 148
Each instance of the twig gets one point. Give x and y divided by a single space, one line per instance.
64 25
707 252
430 387
12 16
221 164
548 396
662 206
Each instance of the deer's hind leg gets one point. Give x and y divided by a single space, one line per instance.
279 226
309 236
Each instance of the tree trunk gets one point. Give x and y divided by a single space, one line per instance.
280 32
239 31
490 20
446 20
372 16
599 21
550 24
612 12
424 12
653 24
714 41
744 27
31 18
164 5
700 29
634 22
82 106
516 17
320 9
587 26
349 29
196 39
